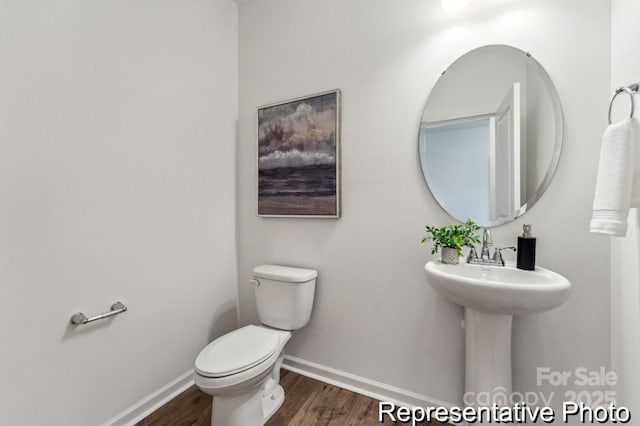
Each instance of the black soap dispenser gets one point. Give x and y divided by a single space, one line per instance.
526 258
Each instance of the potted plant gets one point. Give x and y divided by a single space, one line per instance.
452 238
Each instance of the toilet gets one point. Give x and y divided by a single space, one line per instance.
241 369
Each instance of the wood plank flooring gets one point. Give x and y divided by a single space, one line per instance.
307 402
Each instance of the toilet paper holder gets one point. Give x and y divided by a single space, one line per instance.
81 319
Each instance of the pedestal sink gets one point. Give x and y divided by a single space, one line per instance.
490 296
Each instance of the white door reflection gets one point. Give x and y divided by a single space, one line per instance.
504 159
477 159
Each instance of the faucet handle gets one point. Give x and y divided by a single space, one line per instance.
497 255
473 254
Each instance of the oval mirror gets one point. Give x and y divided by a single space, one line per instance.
490 135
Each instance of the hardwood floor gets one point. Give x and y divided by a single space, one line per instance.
307 402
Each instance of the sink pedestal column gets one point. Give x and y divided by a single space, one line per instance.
487 358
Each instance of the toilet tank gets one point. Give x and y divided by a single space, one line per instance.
284 295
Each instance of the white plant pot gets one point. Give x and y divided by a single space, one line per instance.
449 255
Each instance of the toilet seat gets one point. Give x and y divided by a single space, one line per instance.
237 351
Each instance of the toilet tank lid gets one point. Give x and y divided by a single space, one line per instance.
284 273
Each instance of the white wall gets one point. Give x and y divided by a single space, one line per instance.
541 109
476 85
375 315
117 144
625 268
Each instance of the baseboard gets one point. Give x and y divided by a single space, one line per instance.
151 403
332 376
361 385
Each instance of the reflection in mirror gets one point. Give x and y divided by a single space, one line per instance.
490 135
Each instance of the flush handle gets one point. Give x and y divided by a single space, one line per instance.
255 283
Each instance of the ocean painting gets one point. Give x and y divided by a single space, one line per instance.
298 157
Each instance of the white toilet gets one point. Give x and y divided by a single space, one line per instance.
242 369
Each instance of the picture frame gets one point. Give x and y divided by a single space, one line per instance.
298 157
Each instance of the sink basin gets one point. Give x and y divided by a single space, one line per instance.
505 289
491 295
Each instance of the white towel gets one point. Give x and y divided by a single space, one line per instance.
618 182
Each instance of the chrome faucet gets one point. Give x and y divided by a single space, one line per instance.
485 254
486 243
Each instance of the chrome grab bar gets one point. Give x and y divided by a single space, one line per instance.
81 319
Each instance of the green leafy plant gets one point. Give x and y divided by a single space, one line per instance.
454 236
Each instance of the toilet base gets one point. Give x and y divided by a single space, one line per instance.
243 409
253 407
240 409
270 404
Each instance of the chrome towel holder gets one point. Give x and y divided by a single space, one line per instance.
630 90
81 319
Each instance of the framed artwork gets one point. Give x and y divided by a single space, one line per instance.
299 157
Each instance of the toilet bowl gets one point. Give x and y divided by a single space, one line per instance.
241 370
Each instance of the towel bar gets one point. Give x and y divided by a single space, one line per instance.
630 90
81 319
